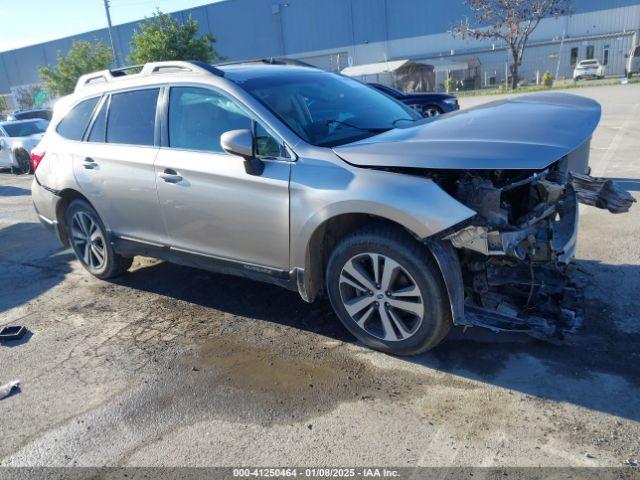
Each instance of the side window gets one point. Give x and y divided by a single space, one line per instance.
266 145
132 117
98 130
74 123
198 117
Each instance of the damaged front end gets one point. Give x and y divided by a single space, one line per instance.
515 253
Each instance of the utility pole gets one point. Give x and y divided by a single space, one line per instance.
113 46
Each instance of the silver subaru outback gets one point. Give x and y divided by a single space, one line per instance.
318 183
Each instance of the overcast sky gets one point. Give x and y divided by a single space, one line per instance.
25 22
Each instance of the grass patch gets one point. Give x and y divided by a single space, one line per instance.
558 85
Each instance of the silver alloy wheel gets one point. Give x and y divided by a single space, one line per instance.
431 112
381 297
88 241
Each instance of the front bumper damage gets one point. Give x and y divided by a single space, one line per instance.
515 254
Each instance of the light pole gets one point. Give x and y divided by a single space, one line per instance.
113 46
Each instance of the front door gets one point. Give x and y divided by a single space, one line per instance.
210 204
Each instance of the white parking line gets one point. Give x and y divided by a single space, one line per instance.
601 169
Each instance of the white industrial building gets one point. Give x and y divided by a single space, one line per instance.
336 34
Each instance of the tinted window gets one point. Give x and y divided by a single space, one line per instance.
637 52
24 129
44 114
75 122
132 117
98 129
198 117
266 145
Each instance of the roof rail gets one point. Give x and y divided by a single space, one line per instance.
271 61
152 68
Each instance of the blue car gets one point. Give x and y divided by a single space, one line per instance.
429 104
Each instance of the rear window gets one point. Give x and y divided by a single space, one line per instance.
44 114
24 129
132 117
75 122
587 63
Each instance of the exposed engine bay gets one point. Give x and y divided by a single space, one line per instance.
515 254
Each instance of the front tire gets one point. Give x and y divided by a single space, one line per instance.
388 292
89 241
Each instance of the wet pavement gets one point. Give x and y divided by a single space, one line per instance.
170 365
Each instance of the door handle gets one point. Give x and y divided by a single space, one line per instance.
89 163
170 176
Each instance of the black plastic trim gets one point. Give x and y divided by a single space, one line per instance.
130 247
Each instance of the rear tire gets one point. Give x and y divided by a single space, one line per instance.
388 292
24 162
90 242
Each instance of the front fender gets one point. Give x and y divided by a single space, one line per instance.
320 192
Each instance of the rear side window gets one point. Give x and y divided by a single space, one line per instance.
75 122
98 130
132 117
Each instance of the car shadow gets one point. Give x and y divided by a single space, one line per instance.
32 261
597 368
11 191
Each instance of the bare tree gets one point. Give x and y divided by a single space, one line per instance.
510 21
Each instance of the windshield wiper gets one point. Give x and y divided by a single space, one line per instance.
364 129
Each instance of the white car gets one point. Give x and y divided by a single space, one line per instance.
588 69
17 139
633 63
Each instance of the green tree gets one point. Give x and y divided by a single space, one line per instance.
165 38
84 57
4 105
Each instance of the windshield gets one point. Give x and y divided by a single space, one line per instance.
24 129
328 110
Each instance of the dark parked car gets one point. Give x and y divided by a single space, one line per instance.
43 113
429 104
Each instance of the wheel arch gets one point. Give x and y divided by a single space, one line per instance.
67 196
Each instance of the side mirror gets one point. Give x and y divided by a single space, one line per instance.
241 143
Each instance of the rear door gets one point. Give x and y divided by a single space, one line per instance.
114 165
211 205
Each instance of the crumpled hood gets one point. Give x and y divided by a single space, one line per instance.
527 132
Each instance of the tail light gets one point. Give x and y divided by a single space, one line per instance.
36 158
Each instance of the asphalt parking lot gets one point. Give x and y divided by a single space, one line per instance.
169 365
